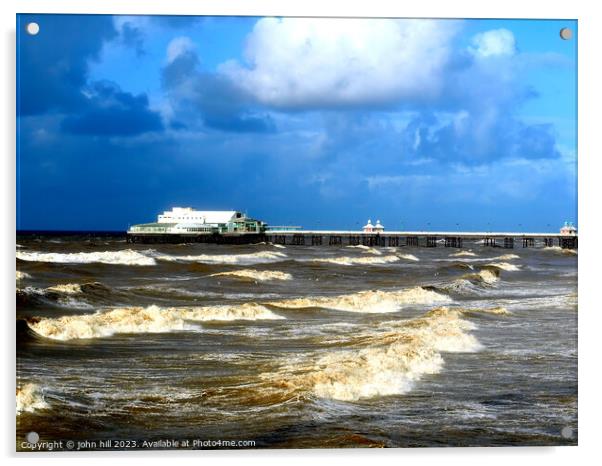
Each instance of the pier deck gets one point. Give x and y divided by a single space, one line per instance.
429 239
453 239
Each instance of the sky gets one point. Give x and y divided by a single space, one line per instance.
320 122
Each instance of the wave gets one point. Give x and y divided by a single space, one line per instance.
61 295
367 301
274 245
164 292
457 266
463 254
125 257
409 257
391 363
366 249
498 311
260 275
504 266
485 276
559 250
262 257
63 289
151 319
69 288
461 286
380 260
22 275
30 398
504 257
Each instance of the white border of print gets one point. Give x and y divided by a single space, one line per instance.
590 152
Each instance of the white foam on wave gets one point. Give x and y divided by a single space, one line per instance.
506 257
559 250
30 398
68 288
345 260
504 266
503 257
124 257
487 276
366 249
367 301
151 319
22 275
61 294
262 257
409 257
463 254
258 275
390 363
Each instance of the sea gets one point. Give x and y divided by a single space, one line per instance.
131 346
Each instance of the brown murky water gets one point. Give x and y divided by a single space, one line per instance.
295 347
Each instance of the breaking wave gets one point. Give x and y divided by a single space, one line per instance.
69 288
460 286
506 257
504 266
151 319
366 249
367 301
261 275
409 257
380 260
498 311
60 294
485 276
463 254
125 257
274 245
559 250
30 398
22 275
262 257
391 363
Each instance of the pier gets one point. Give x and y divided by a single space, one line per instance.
187 225
427 239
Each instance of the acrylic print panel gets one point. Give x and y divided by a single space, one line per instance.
254 232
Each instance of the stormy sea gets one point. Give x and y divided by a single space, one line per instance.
271 346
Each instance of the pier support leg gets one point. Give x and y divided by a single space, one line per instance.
412 241
335 240
298 240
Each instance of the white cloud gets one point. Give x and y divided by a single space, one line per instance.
178 46
310 62
493 43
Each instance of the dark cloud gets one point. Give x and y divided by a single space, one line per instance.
112 112
53 77
53 66
210 98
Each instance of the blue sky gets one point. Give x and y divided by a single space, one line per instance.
324 123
